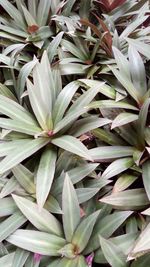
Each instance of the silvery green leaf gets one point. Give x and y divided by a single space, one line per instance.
37 242
42 220
71 209
84 230
45 175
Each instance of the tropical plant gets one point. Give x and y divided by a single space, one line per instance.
74 133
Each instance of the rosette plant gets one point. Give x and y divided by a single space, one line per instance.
74 133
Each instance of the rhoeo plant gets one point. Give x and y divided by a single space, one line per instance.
74 133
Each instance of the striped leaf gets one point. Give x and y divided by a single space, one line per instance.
71 209
73 145
28 148
45 175
42 220
37 242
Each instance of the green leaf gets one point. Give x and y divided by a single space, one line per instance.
103 89
117 167
28 148
19 126
6 92
127 83
23 74
38 105
7 206
9 187
69 119
141 262
81 262
141 123
7 260
132 27
54 263
71 209
75 174
73 49
84 100
25 178
52 205
42 220
9 146
63 100
41 34
37 242
68 7
84 230
43 12
84 194
122 63
142 47
111 152
53 46
20 258
142 245
87 124
146 177
137 70
11 224
106 227
124 181
126 241
73 145
111 104
14 13
65 262
112 253
129 199
15 111
28 17
123 118
45 175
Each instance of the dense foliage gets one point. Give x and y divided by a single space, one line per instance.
74 133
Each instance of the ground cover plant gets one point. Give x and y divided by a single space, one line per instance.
74 133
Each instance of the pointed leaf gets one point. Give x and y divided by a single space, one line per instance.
123 118
137 70
11 224
7 260
87 124
75 174
146 177
106 227
71 209
45 175
28 148
63 100
122 63
42 220
43 12
13 110
18 126
117 167
7 206
129 199
73 145
84 231
84 194
111 152
112 253
37 242
142 245
20 258
25 178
